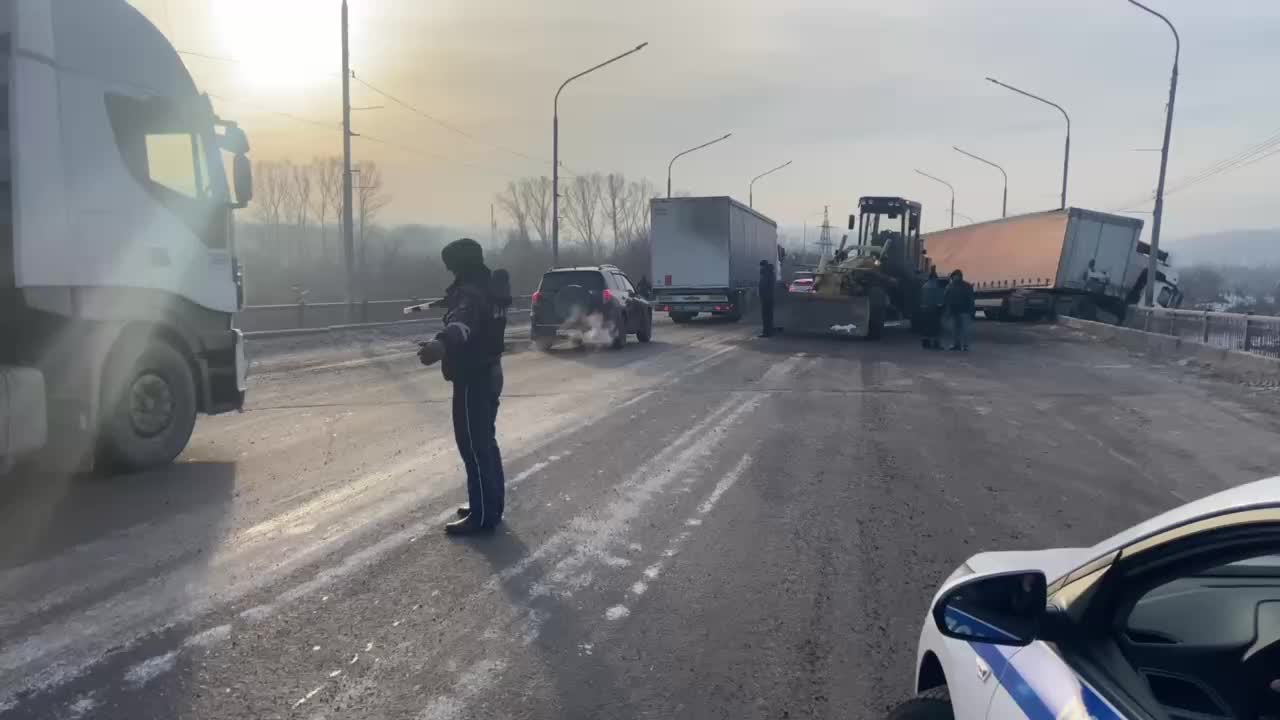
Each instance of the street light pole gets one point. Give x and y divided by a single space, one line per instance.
751 188
1004 199
1066 151
555 152
1153 262
726 136
953 193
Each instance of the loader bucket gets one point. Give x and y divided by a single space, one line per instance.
813 314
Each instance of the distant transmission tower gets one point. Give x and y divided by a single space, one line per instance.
824 240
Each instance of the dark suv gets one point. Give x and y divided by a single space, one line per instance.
582 302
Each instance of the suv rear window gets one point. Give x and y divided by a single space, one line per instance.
588 279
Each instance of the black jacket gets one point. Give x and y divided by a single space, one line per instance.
475 326
767 281
958 298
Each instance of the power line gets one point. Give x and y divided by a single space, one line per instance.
335 126
446 125
1244 158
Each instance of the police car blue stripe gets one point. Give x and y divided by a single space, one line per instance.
1033 704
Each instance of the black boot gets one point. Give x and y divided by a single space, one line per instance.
465 526
464 511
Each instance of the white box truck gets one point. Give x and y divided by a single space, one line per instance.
119 284
1075 262
705 255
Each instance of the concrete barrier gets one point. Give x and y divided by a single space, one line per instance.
1246 367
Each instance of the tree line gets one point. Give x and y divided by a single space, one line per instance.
290 243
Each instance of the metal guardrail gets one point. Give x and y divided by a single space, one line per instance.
301 315
1257 334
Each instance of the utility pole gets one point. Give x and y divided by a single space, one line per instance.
493 230
348 229
555 151
1066 149
1153 262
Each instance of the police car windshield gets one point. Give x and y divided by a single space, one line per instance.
588 279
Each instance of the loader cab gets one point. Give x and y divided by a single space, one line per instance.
889 227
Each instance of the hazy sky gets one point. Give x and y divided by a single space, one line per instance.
856 92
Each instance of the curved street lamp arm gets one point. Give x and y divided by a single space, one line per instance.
1177 41
982 160
1036 97
638 48
770 171
937 179
686 152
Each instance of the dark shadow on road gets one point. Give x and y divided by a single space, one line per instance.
44 513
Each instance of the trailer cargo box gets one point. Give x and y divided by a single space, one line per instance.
706 253
1073 261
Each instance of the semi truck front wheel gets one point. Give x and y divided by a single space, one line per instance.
148 407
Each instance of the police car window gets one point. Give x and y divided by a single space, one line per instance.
1218 628
588 279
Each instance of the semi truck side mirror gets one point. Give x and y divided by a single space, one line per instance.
242 178
853 222
233 140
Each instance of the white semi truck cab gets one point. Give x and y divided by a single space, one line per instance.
119 283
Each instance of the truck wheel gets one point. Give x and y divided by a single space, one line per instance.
645 333
148 407
932 704
875 315
681 317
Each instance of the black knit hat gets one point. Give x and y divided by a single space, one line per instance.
462 254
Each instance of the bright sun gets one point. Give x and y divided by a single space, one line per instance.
281 45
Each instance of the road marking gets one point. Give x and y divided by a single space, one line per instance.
147 670
308 696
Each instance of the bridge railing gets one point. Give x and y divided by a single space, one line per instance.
1258 334
302 314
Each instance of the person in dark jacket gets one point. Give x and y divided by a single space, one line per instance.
958 301
767 281
470 348
644 287
931 310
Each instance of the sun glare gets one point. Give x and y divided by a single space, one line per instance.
281 45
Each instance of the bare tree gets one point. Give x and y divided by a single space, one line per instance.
636 218
370 198
582 210
535 194
324 196
615 206
511 200
269 201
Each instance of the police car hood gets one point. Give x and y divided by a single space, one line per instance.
1054 563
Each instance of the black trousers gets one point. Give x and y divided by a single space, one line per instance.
475 412
766 315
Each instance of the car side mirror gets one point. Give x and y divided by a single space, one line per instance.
242 178
999 609
853 222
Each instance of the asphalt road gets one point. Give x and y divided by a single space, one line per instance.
709 525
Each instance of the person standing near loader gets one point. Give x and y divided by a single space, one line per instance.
470 348
931 294
958 299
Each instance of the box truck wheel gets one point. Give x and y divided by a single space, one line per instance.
681 317
148 406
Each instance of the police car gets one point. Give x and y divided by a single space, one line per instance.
1177 618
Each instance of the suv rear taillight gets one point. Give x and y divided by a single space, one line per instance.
606 295
536 297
